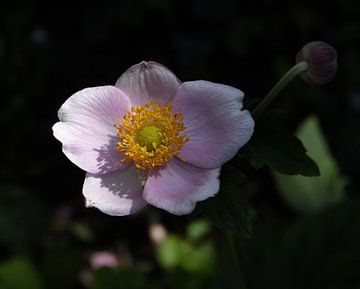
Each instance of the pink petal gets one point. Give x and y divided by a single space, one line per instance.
86 128
117 194
214 122
177 186
148 81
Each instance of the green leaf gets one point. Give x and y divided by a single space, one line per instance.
272 145
198 229
172 251
310 195
200 259
175 253
19 274
229 209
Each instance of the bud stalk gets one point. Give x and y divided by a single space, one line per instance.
295 70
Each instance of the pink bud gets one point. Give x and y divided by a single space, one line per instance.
322 60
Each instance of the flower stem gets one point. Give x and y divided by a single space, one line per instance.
235 253
292 72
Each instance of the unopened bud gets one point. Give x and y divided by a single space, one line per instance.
322 62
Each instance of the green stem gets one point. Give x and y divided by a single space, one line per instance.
295 70
236 257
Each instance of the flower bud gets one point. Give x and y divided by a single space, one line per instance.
322 60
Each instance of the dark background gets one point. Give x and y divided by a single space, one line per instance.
50 50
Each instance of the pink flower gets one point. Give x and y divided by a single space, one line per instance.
151 139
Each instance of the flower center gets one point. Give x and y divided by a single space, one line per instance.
151 135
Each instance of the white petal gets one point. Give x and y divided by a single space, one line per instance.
86 128
147 81
177 186
214 121
117 194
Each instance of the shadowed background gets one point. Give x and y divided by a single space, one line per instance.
49 51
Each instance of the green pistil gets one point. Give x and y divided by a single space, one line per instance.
148 136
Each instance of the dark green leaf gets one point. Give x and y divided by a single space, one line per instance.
273 146
229 210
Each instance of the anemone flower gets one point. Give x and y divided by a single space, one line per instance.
151 139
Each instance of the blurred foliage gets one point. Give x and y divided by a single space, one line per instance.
61 266
321 251
48 51
22 218
310 195
19 274
108 278
186 254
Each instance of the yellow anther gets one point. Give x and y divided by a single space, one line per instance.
150 135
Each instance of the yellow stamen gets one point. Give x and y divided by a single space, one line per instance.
150 135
